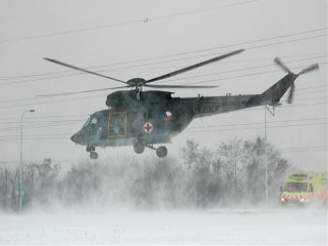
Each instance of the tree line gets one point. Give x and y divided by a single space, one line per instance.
231 173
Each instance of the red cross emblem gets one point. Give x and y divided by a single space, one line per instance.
148 127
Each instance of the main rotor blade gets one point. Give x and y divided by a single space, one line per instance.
309 69
182 70
82 92
182 86
82 69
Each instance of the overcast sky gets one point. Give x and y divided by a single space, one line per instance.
127 39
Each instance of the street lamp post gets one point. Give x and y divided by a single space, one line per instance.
20 195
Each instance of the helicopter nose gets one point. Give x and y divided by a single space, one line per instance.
76 138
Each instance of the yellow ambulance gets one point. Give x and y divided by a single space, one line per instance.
305 188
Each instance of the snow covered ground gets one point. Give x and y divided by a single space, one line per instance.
228 227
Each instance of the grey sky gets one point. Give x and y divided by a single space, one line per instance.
30 30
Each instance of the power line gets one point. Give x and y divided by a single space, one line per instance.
190 77
256 128
46 124
87 98
209 74
126 23
187 78
81 74
61 75
73 121
292 106
69 116
260 123
248 68
38 126
83 117
249 126
243 75
35 121
301 149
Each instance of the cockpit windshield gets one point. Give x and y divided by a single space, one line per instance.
91 121
87 122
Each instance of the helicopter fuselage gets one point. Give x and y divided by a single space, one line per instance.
155 118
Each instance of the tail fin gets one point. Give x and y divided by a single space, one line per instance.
275 92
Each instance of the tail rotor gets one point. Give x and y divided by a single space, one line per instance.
291 93
293 77
282 65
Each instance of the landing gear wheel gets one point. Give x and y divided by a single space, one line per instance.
91 148
138 147
93 155
161 152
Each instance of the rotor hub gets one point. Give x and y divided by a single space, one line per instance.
137 82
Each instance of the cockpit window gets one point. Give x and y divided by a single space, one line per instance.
94 121
91 121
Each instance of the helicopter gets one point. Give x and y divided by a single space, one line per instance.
143 119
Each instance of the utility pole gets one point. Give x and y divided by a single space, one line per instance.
265 157
20 172
266 185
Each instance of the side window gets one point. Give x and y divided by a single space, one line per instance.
118 124
148 115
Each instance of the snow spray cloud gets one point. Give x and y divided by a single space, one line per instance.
232 173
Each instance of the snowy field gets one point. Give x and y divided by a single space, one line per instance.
227 227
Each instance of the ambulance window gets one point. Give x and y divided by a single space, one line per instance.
310 188
296 187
